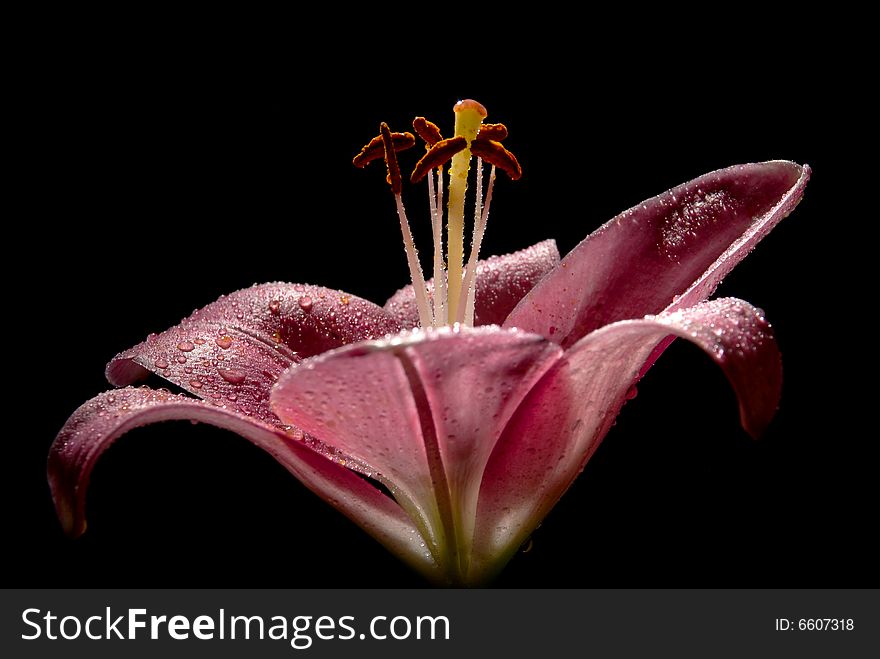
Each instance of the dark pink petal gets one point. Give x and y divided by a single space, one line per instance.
560 424
502 281
234 349
423 410
93 427
671 250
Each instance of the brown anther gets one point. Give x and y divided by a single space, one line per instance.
496 132
495 154
437 156
393 177
427 130
375 149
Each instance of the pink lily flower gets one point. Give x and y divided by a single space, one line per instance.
449 422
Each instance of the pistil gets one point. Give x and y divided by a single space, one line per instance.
468 116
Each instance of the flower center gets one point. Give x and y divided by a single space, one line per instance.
454 288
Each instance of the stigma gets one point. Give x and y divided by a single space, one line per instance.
452 300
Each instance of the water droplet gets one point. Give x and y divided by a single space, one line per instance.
166 373
632 392
185 346
181 360
275 307
224 341
299 288
344 300
232 397
198 341
195 384
111 399
305 303
233 377
188 370
161 363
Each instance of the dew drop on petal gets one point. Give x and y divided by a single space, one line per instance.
305 303
185 346
632 392
161 363
181 360
275 307
224 341
231 376
195 384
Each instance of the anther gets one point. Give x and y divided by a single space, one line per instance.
496 132
375 149
427 130
437 156
494 153
393 178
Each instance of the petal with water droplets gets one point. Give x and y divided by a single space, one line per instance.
93 427
502 281
424 410
669 252
234 349
560 424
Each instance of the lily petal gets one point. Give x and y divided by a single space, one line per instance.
670 251
235 348
501 282
93 427
557 428
425 411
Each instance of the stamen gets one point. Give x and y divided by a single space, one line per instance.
497 132
440 284
412 256
437 156
454 285
393 177
480 221
439 274
469 114
494 153
375 149
427 130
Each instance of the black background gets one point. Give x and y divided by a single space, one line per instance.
155 183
